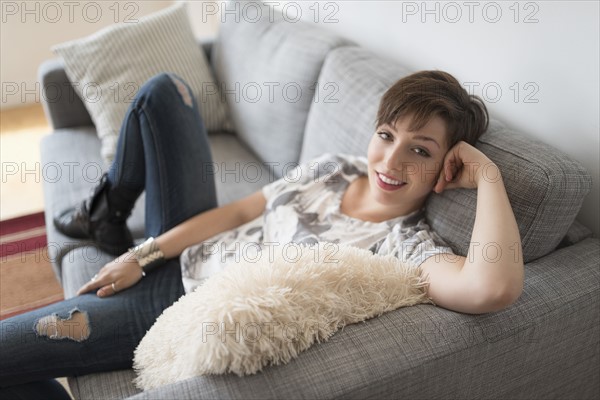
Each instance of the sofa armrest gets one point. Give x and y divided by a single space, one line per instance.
426 351
62 105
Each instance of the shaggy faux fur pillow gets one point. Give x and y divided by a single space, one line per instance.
255 314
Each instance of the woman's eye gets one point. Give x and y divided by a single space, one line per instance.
384 135
421 152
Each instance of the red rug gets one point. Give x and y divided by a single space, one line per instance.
27 280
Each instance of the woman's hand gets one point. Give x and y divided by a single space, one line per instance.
465 167
116 276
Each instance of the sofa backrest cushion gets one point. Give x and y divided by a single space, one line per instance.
342 119
545 187
267 67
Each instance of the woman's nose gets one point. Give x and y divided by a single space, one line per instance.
393 161
397 164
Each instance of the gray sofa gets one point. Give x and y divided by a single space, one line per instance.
544 346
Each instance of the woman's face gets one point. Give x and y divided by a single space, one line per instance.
404 166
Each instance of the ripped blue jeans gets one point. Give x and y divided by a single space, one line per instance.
163 148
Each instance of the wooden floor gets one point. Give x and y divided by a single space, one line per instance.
21 130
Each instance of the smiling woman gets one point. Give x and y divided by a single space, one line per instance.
374 203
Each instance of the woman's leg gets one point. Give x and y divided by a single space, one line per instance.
163 147
87 333
49 389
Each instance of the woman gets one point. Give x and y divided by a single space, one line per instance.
426 127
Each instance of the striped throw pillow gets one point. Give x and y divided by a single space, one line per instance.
108 67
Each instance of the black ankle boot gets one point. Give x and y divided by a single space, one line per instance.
102 217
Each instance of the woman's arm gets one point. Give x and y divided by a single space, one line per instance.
491 276
209 223
124 271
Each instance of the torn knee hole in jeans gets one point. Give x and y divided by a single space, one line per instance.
183 91
75 327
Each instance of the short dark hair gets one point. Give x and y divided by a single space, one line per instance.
426 94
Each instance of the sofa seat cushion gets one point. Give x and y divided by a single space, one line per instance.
104 385
267 69
238 173
545 187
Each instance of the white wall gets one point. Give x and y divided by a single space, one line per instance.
552 59
204 18
29 29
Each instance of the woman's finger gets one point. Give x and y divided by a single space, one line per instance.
448 169
90 285
439 184
97 281
442 176
108 290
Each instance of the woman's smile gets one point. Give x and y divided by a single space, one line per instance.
388 183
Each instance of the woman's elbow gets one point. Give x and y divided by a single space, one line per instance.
497 296
505 300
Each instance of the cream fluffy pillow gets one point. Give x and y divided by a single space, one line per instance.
272 311
108 68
